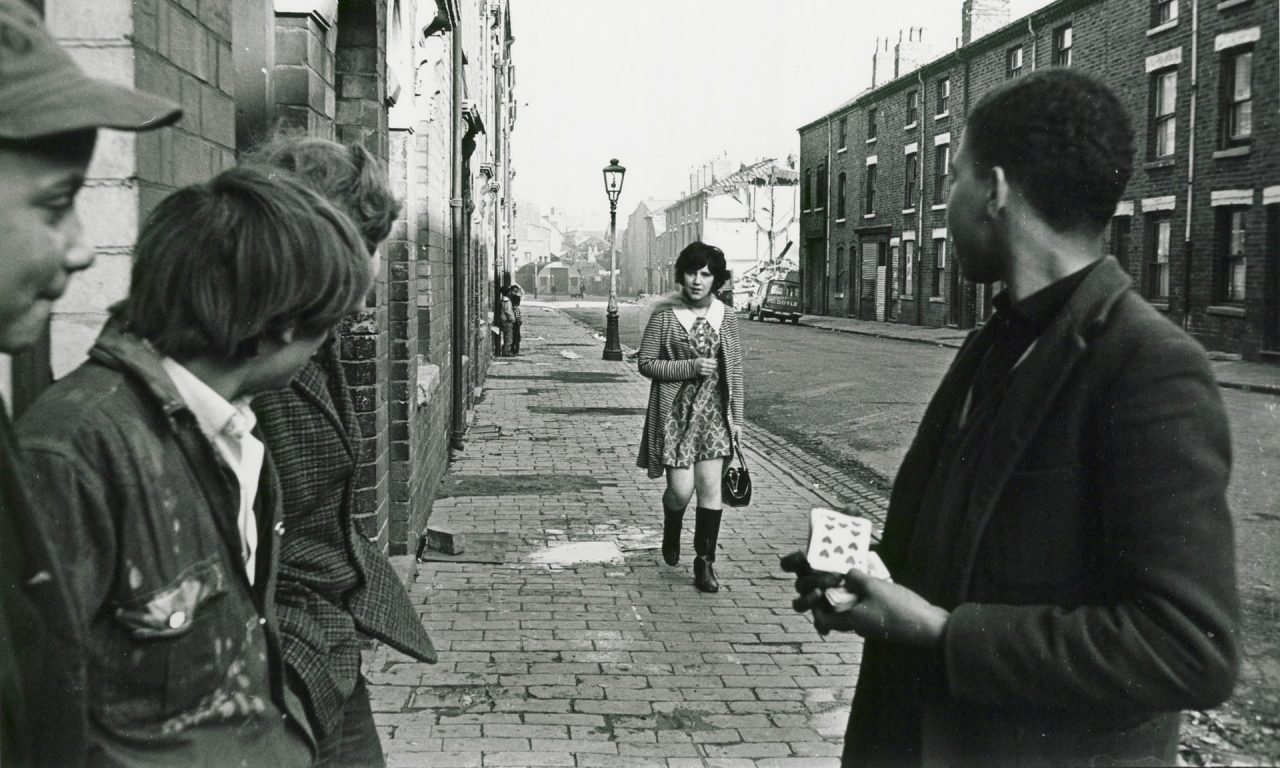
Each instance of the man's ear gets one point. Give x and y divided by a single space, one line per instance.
998 192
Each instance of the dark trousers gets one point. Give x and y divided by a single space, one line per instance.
354 742
515 338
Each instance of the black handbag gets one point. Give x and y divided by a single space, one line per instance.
735 482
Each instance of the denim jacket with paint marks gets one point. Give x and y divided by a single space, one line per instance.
181 661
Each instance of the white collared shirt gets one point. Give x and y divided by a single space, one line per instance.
714 315
229 427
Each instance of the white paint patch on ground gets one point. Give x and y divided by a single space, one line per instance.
578 552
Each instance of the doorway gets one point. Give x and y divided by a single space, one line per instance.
1271 333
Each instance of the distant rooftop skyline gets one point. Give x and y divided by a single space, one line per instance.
667 85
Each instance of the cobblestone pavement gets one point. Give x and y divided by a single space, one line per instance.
564 640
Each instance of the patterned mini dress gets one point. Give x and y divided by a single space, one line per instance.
696 428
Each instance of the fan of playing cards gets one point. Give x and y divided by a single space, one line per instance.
839 542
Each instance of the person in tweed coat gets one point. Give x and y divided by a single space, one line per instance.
692 351
335 584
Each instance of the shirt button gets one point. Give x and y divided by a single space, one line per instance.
262 621
177 619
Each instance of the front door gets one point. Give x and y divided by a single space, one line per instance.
815 283
882 280
1271 335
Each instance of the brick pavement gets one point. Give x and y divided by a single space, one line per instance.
549 661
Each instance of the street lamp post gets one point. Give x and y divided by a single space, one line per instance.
613 175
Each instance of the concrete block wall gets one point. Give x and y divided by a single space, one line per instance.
177 48
327 76
303 75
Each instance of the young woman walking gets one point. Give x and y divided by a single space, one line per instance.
693 353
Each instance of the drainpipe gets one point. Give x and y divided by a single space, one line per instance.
826 217
1191 164
459 345
1035 44
918 286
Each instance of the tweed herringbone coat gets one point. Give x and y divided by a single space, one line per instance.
666 357
334 583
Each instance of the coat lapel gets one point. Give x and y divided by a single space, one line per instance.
917 465
1031 396
312 382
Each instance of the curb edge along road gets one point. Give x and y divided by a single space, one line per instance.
1262 389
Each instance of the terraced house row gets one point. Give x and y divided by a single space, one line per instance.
425 85
1198 229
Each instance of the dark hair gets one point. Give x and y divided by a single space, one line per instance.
697 255
1064 138
251 251
349 175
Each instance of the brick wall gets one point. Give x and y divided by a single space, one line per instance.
1112 39
360 117
177 48
433 275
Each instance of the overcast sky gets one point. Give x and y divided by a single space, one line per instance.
664 85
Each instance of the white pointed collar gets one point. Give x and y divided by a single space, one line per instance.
715 315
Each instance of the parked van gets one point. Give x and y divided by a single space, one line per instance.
776 298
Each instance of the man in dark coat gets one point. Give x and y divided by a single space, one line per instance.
1058 533
49 116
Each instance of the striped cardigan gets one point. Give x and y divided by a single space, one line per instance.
666 357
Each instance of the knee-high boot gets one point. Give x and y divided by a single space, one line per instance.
672 526
705 533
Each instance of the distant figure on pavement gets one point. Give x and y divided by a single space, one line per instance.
506 320
336 586
1058 535
517 318
50 112
692 350
159 494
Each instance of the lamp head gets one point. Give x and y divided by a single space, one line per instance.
613 175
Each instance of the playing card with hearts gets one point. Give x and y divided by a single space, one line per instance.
837 541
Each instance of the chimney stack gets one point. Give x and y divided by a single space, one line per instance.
910 53
982 17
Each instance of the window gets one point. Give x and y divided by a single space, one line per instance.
911 176
944 96
1120 240
869 191
1062 46
1163 12
821 192
908 267
1013 62
939 267
844 132
1236 106
913 107
941 163
1164 100
1231 261
806 192
1159 233
840 196
871 124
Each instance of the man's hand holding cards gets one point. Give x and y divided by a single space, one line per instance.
838 543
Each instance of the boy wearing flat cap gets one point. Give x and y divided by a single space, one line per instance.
49 116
